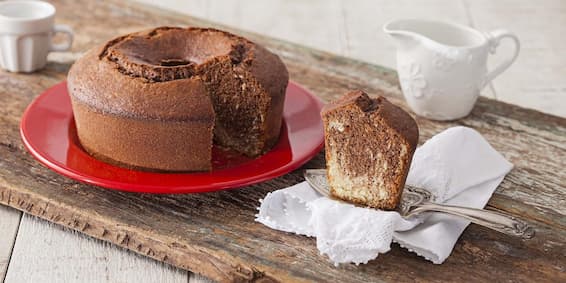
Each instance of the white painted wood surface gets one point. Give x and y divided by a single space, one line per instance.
47 253
9 222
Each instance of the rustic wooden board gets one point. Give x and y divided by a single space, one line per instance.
214 234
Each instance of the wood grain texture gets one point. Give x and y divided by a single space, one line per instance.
63 255
9 223
214 234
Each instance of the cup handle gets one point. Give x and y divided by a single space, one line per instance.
65 45
494 38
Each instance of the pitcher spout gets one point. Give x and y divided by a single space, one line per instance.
400 31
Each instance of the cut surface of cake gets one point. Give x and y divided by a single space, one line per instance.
369 145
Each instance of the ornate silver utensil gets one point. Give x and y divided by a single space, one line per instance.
417 200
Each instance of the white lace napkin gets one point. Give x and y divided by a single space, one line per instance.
457 166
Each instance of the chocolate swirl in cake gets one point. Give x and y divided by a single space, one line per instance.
369 144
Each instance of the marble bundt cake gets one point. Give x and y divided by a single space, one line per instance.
157 99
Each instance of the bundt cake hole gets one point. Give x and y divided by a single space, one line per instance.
171 53
175 62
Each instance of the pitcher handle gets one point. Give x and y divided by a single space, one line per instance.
494 37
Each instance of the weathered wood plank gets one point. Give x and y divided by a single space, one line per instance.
63 255
9 223
185 231
214 234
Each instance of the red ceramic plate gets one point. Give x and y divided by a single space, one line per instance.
48 131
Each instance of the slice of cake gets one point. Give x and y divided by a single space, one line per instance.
369 147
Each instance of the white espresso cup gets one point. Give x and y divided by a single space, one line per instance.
26 29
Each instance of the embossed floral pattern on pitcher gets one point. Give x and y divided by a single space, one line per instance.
444 59
441 62
412 80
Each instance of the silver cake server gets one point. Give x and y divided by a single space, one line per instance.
416 200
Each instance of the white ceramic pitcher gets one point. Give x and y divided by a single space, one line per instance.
443 66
